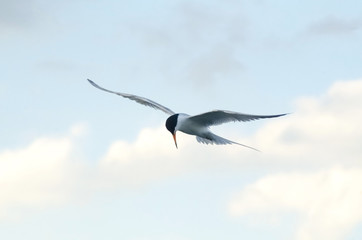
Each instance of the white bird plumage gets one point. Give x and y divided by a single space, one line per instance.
197 125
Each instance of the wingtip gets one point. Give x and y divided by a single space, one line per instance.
92 83
281 115
257 150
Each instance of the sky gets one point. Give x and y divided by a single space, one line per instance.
79 163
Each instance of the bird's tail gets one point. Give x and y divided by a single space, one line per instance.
212 138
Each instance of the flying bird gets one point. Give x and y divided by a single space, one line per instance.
198 125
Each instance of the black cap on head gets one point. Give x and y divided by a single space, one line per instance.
171 123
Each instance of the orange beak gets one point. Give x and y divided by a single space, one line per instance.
174 138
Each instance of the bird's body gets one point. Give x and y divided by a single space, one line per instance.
198 125
185 125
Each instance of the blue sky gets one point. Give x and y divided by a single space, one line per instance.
78 163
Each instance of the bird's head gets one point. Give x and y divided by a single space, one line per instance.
171 123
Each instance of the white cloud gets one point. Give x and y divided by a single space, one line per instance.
324 132
322 129
145 159
153 156
39 175
328 202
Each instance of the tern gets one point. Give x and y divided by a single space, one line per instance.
198 125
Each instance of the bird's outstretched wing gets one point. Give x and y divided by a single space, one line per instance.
140 100
212 138
218 117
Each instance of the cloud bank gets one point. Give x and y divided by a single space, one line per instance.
327 202
42 174
321 143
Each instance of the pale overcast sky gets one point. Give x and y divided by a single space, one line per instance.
78 163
